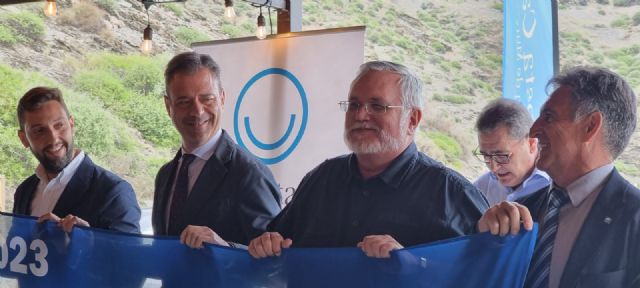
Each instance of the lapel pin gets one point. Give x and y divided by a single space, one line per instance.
607 220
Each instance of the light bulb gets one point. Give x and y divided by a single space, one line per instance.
147 44
50 8
261 31
229 12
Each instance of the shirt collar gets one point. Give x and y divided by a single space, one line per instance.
588 183
392 175
534 175
65 175
205 151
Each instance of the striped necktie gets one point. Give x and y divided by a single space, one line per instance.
538 275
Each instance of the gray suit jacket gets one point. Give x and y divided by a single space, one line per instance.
607 250
235 195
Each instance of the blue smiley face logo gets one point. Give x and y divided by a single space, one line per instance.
292 120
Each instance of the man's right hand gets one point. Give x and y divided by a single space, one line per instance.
268 244
505 217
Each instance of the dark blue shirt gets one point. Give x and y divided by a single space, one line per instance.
415 200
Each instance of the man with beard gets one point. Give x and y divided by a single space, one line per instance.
510 154
386 194
590 219
213 191
66 182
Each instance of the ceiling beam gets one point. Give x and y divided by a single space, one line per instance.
279 4
11 2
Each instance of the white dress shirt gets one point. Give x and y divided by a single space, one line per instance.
48 191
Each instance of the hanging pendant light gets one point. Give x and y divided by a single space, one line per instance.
50 8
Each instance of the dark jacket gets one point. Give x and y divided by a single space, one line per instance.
235 195
607 250
94 194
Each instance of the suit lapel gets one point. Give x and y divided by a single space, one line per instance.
162 198
213 173
594 229
76 188
29 191
536 202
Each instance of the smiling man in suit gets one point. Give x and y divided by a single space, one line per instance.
67 183
212 191
590 219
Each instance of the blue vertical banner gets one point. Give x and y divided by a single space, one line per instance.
42 255
530 52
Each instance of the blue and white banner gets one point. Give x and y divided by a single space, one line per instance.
41 255
282 96
530 52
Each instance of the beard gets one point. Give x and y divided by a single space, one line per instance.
385 142
55 165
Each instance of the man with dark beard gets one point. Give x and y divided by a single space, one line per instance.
386 194
67 183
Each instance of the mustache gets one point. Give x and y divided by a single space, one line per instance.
52 146
363 125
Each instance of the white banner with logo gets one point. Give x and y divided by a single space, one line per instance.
282 95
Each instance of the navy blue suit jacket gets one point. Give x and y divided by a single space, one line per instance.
607 250
235 195
94 194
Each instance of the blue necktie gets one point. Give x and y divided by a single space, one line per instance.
180 194
538 275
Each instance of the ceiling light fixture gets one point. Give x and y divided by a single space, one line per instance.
147 37
229 12
261 30
50 8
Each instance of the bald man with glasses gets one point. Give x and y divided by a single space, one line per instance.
510 154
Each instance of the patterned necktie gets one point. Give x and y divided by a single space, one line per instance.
180 194
538 275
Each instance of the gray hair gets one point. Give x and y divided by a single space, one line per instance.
410 84
601 90
508 112
189 63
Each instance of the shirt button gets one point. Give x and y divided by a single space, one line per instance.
355 223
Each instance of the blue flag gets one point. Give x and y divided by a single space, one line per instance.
41 255
530 52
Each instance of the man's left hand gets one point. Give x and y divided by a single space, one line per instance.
379 246
65 223
195 236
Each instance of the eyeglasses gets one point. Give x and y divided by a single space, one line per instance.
372 108
500 158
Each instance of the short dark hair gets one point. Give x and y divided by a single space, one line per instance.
35 98
508 112
191 62
601 90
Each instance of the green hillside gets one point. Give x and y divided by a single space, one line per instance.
90 51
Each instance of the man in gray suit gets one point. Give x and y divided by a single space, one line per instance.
212 191
590 219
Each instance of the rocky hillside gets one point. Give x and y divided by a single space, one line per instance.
455 45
